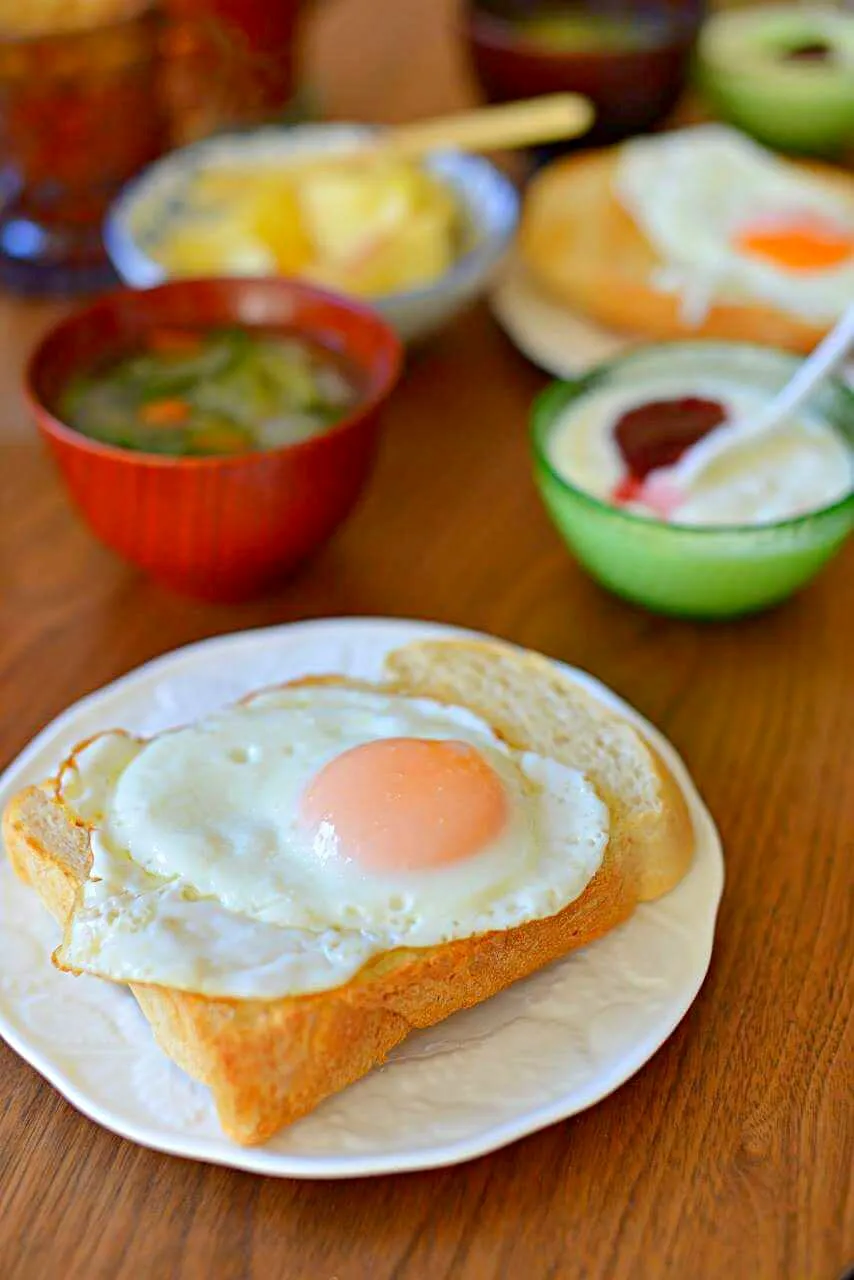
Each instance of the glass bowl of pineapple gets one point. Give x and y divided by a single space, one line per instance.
324 203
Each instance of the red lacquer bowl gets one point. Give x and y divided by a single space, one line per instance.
222 527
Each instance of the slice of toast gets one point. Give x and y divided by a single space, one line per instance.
268 1062
587 251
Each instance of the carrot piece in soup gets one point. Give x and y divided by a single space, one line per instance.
171 412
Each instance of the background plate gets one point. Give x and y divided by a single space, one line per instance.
543 1050
558 340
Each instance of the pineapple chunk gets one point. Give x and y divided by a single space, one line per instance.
367 224
277 220
196 248
347 207
417 254
238 222
379 225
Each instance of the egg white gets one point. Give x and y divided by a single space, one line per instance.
204 880
691 192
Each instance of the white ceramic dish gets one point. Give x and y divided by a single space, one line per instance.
557 340
554 338
540 1052
488 200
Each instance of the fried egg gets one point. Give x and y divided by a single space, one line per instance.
274 848
733 223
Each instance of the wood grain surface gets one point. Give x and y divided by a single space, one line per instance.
730 1154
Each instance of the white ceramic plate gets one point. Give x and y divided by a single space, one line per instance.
558 340
551 336
539 1052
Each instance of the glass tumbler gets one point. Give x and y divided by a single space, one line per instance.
79 115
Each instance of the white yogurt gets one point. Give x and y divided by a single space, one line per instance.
802 467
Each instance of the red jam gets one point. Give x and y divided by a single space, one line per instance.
629 489
655 435
814 51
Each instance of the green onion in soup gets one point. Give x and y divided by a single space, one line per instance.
218 391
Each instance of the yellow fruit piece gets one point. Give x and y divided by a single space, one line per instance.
239 221
367 224
264 204
347 208
193 248
277 221
378 226
417 254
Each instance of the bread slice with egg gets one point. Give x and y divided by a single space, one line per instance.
585 249
268 1062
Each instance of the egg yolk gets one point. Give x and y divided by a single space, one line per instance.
802 244
404 804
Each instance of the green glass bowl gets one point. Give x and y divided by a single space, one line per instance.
800 106
709 571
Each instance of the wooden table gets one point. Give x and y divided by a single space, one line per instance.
730 1154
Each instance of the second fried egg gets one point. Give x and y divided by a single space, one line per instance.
733 223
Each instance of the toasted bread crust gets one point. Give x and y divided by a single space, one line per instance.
269 1062
585 249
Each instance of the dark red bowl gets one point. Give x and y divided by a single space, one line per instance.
632 89
222 527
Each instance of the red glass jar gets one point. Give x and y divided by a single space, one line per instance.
79 115
229 63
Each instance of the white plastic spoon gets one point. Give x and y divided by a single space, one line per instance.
823 360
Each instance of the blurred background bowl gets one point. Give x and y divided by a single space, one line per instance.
488 203
783 73
698 571
224 527
630 59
